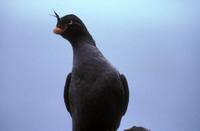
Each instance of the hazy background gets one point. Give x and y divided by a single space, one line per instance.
156 44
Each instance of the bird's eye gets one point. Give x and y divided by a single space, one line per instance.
70 22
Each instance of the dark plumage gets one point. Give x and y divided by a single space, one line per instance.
96 94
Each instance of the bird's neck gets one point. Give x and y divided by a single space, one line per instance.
84 51
77 43
83 37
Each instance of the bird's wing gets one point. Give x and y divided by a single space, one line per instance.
66 93
126 92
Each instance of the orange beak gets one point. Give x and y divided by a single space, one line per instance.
58 30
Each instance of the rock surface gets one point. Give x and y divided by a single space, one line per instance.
134 128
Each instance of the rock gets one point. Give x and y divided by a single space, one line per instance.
134 128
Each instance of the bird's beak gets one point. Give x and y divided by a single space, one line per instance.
58 31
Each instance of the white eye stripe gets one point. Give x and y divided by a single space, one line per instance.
71 22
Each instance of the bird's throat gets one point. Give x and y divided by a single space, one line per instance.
81 40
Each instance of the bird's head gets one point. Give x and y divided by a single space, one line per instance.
71 28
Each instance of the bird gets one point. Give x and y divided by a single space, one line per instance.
96 95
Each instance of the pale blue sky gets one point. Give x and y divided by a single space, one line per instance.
154 43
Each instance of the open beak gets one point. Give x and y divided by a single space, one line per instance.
58 31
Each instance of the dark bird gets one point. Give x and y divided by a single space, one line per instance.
96 95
